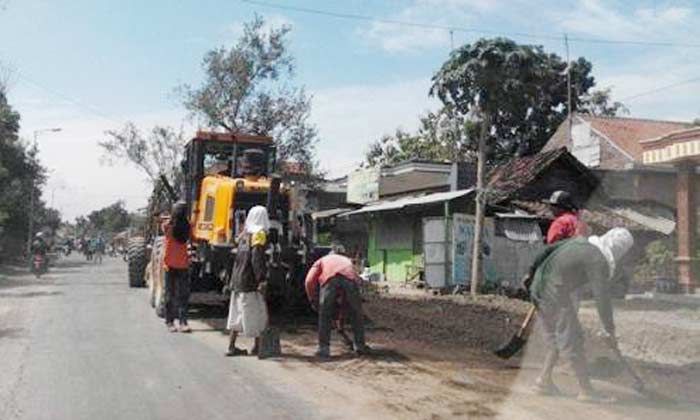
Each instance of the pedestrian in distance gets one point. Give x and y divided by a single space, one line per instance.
99 249
557 273
247 315
329 276
567 221
176 266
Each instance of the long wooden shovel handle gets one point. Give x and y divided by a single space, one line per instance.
526 322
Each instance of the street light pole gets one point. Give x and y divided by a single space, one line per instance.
32 198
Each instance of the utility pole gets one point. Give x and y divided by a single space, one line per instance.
568 87
32 187
480 203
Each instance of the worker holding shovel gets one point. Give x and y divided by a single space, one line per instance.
559 271
328 277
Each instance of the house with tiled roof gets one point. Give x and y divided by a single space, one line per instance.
609 142
612 148
617 150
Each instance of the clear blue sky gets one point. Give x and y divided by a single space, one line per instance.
88 65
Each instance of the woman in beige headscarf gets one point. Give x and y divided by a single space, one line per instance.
247 311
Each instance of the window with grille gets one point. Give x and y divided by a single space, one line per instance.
209 209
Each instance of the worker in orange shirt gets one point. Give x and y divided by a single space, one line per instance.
176 265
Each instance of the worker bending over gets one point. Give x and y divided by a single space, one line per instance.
557 272
334 274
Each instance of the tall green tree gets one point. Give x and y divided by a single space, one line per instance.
517 93
109 220
530 90
21 174
249 87
522 88
443 135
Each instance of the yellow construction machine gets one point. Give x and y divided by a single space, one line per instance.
224 176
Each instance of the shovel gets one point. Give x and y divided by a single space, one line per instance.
639 385
518 340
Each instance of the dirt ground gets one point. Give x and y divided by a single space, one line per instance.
433 360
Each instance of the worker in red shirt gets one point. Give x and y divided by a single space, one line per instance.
567 222
329 276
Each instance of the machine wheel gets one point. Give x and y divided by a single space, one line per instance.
136 250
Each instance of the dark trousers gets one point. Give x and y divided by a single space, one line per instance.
177 295
328 307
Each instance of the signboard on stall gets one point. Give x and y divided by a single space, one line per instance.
363 186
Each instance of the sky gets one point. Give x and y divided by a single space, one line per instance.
87 66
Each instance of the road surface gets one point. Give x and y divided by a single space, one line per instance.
79 344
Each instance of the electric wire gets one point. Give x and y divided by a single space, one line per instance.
424 25
660 89
78 104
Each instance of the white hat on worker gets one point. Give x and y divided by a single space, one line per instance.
257 220
614 244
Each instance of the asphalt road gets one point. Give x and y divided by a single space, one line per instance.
79 344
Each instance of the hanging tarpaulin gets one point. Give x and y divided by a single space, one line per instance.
448 253
463 232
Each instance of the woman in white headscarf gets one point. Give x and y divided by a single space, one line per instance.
559 272
247 311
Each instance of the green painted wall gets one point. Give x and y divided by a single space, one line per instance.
398 261
393 263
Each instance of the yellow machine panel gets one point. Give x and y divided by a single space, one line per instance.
213 211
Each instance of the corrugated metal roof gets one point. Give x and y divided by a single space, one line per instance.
653 222
611 217
411 201
323 214
522 230
518 214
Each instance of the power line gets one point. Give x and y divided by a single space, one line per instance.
450 28
366 18
662 88
89 108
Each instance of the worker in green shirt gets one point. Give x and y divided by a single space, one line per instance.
559 270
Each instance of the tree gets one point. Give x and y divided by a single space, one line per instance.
158 154
21 175
599 103
111 219
248 88
521 87
514 91
106 221
443 135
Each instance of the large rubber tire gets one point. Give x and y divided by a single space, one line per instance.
136 250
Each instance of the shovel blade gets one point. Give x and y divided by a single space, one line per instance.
509 350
